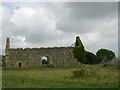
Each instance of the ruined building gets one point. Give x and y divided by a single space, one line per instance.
34 57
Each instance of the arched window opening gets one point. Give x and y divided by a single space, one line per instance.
45 60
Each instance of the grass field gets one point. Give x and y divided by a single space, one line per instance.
60 77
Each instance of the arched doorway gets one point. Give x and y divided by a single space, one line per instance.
19 65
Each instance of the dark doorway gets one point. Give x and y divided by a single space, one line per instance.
19 64
45 60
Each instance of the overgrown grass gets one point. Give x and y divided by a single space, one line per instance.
0 77
60 77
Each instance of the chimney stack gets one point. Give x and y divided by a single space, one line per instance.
7 43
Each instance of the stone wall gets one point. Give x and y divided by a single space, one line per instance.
32 57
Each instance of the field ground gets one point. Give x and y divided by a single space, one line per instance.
60 77
0 78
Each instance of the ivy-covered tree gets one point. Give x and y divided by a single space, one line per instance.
79 51
105 54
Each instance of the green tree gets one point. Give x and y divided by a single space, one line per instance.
90 58
105 54
3 60
79 51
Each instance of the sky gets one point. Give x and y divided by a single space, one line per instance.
56 24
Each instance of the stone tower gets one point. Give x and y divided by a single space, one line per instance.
6 52
7 44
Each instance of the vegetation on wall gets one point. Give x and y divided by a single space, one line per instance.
90 58
87 57
78 42
79 51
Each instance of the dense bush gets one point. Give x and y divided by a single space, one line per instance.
90 58
105 54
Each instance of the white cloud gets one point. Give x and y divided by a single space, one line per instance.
35 25
4 16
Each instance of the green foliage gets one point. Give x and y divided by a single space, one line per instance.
79 51
3 58
0 59
90 58
86 57
78 42
3 61
105 54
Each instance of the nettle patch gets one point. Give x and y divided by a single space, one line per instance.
83 72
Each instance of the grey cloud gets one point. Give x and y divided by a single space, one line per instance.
84 17
92 10
79 27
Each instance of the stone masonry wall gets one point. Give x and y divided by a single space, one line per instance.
58 56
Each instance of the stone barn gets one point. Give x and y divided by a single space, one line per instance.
37 57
